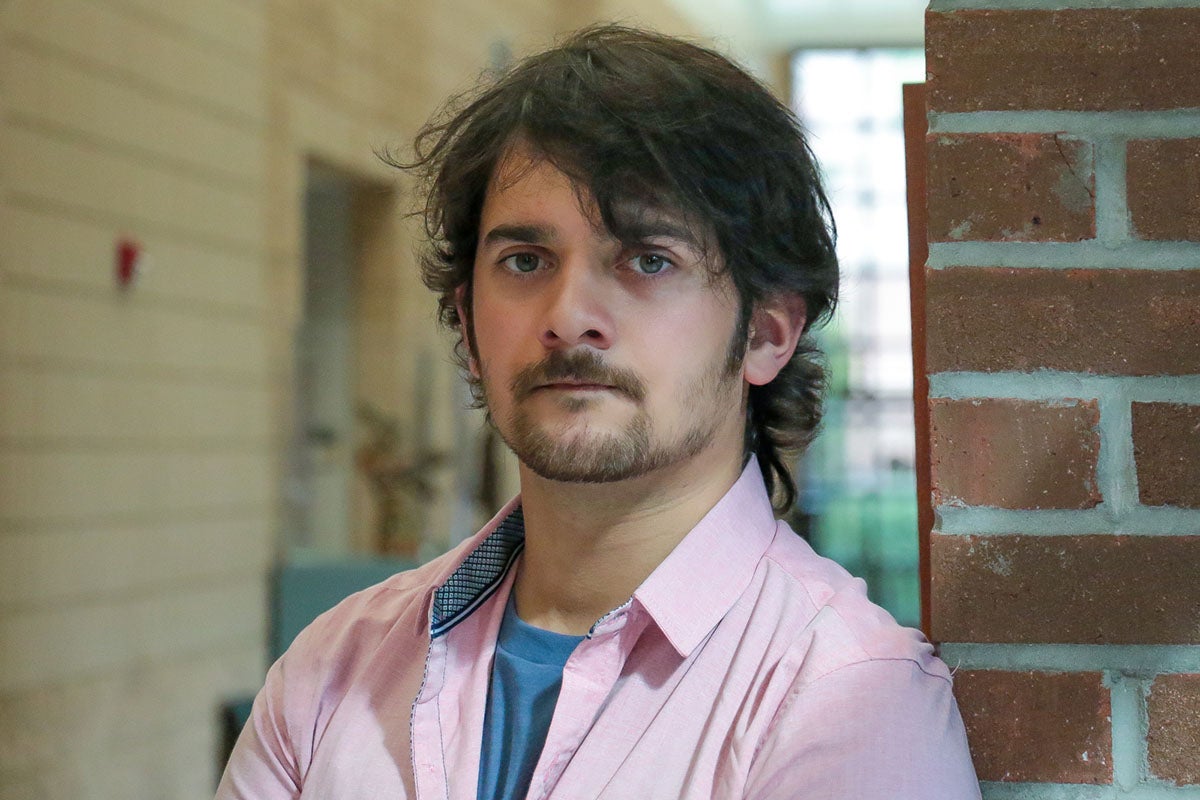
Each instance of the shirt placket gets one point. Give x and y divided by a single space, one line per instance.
588 680
429 767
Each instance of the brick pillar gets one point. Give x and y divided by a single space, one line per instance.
1063 299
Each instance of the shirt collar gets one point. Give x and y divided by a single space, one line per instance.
697 584
686 595
476 577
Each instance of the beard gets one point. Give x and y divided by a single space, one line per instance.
590 456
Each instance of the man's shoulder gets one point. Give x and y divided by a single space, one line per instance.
829 617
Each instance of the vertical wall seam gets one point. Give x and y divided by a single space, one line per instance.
1128 729
1113 227
1116 471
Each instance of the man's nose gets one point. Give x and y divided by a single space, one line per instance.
577 308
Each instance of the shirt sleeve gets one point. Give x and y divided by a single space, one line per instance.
872 729
263 765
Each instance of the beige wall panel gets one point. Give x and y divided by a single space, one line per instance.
137 480
134 767
459 61
45 405
48 246
239 26
70 487
120 332
383 381
364 90
354 28
77 174
400 49
418 304
320 128
284 215
38 85
129 45
348 87
393 136
105 729
359 28
25 786
302 56
656 16
177 764
379 299
53 568
61 643
287 290
185 758
529 27
52 723
410 107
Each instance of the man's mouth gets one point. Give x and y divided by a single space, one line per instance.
579 372
577 386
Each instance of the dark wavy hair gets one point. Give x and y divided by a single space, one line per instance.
642 118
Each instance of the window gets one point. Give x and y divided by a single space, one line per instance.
858 496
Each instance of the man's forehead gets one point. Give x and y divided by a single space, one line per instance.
634 216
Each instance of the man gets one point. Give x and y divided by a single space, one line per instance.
632 242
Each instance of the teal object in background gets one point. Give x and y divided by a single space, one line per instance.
306 587
858 497
873 534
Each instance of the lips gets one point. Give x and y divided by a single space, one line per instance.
577 371
577 386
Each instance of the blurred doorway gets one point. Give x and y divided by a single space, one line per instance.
347 358
321 463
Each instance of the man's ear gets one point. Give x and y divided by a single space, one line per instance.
775 329
461 301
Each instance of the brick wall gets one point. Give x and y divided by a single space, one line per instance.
1063 291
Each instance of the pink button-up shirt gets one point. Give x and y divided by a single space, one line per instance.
744 666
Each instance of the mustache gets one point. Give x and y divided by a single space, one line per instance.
584 366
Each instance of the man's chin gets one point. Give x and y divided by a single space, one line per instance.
582 457
610 472
563 473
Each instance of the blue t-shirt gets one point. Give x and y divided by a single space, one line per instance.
526 677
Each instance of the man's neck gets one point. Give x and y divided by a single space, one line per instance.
589 546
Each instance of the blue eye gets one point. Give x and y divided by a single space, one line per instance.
522 262
649 263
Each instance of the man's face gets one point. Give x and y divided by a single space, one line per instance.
599 362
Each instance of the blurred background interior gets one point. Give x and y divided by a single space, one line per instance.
224 402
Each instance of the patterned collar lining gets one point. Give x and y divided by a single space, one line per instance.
479 575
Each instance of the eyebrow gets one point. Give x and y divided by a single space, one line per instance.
529 234
642 229
637 229
637 222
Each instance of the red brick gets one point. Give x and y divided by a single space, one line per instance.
1037 726
1173 741
1162 179
1104 322
1015 453
1073 60
1166 449
1010 187
1095 589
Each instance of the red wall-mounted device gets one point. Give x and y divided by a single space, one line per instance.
128 261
